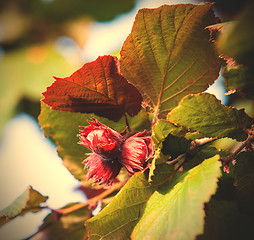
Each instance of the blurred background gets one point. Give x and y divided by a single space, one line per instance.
44 38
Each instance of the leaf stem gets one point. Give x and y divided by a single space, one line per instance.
127 122
155 116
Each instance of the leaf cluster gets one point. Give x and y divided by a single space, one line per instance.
195 187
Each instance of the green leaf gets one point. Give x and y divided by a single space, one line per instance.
239 79
29 201
159 133
63 128
161 130
204 113
244 182
166 55
237 42
70 226
98 10
116 221
175 146
34 67
177 211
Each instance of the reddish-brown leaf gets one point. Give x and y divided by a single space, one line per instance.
98 87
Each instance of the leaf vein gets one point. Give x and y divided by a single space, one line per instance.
146 73
189 85
85 87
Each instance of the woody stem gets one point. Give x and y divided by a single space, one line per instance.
246 143
93 200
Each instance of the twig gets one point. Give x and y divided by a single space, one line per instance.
231 157
93 200
238 150
201 142
174 172
172 162
61 212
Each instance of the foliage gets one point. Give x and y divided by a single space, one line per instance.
104 92
29 201
29 78
190 185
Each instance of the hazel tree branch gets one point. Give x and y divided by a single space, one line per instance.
91 201
246 144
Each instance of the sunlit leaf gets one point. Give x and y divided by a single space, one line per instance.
63 128
29 201
70 226
177 211
169 55
97 87
117 220
206 114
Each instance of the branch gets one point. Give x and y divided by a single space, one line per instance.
92 201
201 142
231 157
176 169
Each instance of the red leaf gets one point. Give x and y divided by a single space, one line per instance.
98 87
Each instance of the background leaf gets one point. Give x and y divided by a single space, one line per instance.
70 226
239 78
98 10
244 182
63 128
225 222
29 201
205 113
25 73
176 211
117 220
98 88
167 53
237 42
